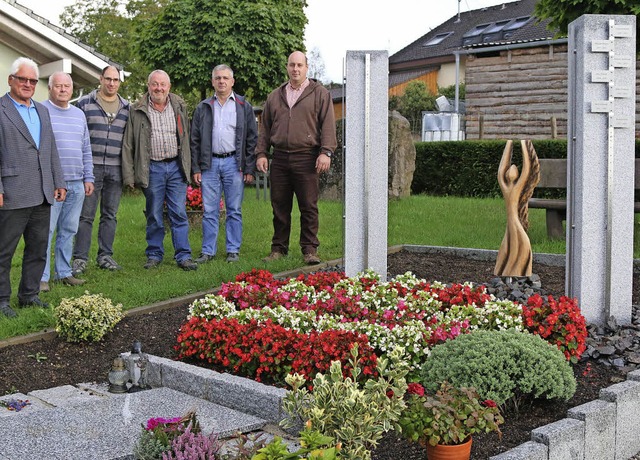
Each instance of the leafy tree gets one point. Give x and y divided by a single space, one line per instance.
563 12
111 27
189 37
450 91
415 99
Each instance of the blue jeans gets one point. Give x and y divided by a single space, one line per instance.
223 175
166 184
65 216
108 189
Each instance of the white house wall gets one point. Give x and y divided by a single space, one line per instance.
447 74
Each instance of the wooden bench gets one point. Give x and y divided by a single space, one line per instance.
553 174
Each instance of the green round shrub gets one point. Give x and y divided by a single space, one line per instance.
88 317
501 365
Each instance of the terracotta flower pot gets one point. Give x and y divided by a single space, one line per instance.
449 452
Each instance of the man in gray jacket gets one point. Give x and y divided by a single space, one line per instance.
30 180
223 141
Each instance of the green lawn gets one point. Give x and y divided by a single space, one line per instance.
423 220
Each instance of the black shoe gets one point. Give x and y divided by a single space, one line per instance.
79 266
6 310
107 263
33 302
187 265
233 257
204 258
152 263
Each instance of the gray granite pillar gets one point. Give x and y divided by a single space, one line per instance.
601 165
366 162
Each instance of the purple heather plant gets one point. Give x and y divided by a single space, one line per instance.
188 446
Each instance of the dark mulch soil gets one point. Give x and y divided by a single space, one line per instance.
24 370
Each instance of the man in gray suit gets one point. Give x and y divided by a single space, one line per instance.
30 180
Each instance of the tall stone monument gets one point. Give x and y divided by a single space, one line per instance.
366 162
600 176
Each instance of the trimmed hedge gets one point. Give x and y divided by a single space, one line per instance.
469 168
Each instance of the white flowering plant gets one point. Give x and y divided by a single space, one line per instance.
86 318
211 306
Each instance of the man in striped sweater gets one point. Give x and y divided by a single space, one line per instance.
74 148
107 114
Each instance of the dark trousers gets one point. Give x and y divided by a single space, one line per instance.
32 224
107 190
294 173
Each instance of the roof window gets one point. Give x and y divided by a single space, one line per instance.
437 39
495 31
474 35
516 24
477 30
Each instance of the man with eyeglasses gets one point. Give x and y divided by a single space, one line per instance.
31 181
107 114
156 157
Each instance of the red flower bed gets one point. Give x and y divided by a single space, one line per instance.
558 322
459 294
265 350
269 351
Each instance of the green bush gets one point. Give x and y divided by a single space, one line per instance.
501 365
355 414
88 317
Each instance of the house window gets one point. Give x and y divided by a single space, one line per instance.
437 39
474 35
517 23
496 27
511 28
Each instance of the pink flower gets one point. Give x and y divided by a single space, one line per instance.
153 423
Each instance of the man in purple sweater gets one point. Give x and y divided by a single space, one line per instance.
74 148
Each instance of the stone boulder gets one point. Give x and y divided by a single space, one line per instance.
402 156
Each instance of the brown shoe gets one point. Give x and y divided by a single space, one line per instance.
44 286
311 259
72 281
275 255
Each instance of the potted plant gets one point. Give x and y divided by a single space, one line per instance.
195 208
445 421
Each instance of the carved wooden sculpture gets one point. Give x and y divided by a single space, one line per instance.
515 257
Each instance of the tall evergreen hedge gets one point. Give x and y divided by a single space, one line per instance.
470 168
